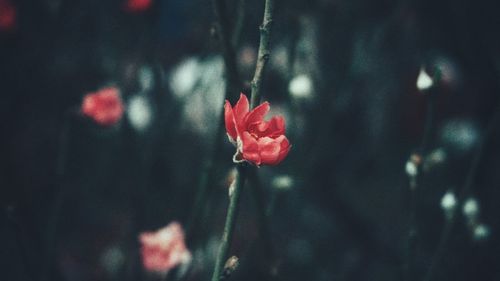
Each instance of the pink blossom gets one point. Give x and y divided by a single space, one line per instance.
257 141
105 106
164 249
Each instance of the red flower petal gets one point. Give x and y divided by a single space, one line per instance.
284 148
229 121
250 148
273 128
240 110
257 114
269 150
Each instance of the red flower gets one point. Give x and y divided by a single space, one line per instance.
105 106
258 141
7 15
164 249
137 5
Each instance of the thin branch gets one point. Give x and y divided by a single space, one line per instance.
264 52
233 86
417 159
262 216
238 26
224 34
232 211
469 182
263 57
53 220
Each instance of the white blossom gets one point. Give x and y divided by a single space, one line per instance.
424 81
471 208
139 112
411 168
300 87
449 201
481 232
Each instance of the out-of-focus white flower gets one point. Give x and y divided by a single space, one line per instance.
184 77
300 87
112 259
449 201
411 168
424 81
139 112
146 78
481 232
282 182
471 209
435 158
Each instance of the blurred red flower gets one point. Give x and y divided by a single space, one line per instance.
105 106
137 5
7 15
164 249
258 141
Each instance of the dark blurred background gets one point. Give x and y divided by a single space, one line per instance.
75 196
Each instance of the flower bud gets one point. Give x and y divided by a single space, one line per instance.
424 81
435 158
448 203
139 112
230 267
481 232
471 209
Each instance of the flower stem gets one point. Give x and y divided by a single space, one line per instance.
60 194
263 54
415 180
232 211
469 182
228 52
233 85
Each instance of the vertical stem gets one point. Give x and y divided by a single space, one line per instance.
53 220
469 182
264 52
238 26
417 159
228 52
232 89
263 57
227 235
262 214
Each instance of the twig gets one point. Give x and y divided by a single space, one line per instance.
469 182
232 211
233 84
264 52
222 27
52 225
238 26
258 194
20 239
414 180
263 57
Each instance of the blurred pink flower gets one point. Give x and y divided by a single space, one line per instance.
164 249
138 5
105 106
7 15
